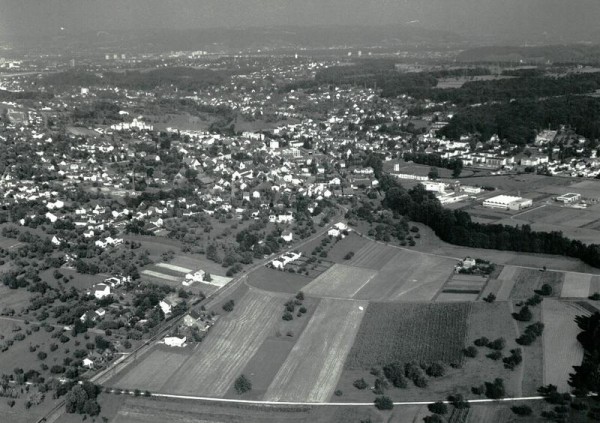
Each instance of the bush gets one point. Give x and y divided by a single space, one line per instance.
360 384
494 355
42 355
521 410
435 370
383 403
242 385
458 401
490 298
228 306
497 344
482 342
545 290
349 255
495 389
470 351
338 393
438 408
395 374
287 316
433 419
513 360
533 301
524 315
595 296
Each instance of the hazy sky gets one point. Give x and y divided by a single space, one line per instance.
572 19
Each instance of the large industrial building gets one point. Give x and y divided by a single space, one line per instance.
507 202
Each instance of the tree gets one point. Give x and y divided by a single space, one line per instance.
395 374
434 418
521 410
360 384
433 173
495 389
242 385
524 315
438 407
383 403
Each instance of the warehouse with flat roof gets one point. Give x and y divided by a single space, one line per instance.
507 202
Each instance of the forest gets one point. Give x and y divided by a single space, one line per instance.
587 376
518 121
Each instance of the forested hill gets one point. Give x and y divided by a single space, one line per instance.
518 121
456 226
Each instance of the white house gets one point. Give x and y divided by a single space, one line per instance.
174 341
88 363
165 307
101 290
190 278
287 236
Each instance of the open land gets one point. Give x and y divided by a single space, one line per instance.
209 368
314 365
562 351
528 281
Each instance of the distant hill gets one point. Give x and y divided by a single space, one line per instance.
538 54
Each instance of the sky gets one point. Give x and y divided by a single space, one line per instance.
558 19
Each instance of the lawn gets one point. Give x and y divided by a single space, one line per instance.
576 285
277 281
340 281
403 332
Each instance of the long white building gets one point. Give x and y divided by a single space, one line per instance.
508 202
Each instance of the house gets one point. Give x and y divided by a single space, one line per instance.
101 290
190 278
334 232
88 363
165 307
287 236
468 262
174 341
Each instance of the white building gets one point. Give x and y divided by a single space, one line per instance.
568 198
507 202
174 341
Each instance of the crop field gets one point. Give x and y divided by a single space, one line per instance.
462 288
340 281
209 368
576 285
529 280
408 276
160 275
402 332
507 279
562 351
373 256
313 367
556 215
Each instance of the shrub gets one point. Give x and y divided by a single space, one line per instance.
434 418
338 393
533 301
494 355
513 360
349 255
458 401
395 374
287 316
595 296
478 390
383 403
438 408
545 290
42 355
360 384
490 298
228 306
497 344
482 342
436 370
470 351
495 389
521 410
242 385
524 315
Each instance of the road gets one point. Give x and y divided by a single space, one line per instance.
220 295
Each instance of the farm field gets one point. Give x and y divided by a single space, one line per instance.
403 332
340 281
533 355
273 352
506 280
562 351
351 243
490 320
527 281
277 281
462 288
373 255
576 285
408 276
209 368
311 371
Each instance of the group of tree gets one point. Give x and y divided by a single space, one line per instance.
586 377
82 399
456 165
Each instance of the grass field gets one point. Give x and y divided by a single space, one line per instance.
562 351
408 276
533 356
462 288
209 368
277 281
576 285
527 281
314 365
16 299
340 281
402 332
373 256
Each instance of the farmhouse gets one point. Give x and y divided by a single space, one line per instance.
101 290
507 202
174 341
190 278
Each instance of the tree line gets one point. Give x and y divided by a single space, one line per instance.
456 226
456 165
